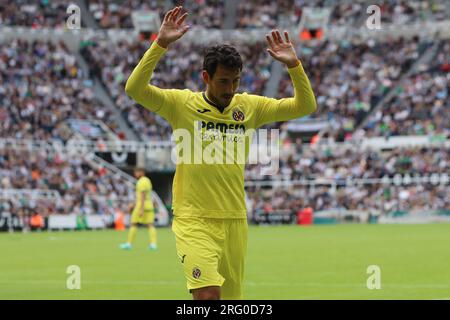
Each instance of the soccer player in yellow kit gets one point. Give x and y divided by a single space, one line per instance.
209 209
143 211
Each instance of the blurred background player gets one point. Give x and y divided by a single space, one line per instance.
143 211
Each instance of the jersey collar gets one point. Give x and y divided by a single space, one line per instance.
215 105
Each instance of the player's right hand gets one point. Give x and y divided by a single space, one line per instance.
172 27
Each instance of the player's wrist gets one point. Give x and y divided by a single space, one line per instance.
293 64
162 43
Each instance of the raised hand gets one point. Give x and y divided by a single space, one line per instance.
172 27
282 50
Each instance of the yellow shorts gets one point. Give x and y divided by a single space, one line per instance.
148 217
212 252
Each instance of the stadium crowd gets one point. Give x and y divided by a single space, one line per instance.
33 14
118 14
82 187
350 78
378 197
412 11
421 105
211 13
269 14
41 87
342 163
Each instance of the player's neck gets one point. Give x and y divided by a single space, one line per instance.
213 101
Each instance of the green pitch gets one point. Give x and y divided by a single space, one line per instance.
284 262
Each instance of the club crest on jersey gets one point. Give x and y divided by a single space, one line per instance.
196 273
238 115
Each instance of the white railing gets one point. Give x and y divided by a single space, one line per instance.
425 29
29 193
398 180
83 145
118 145
53 195
93 122
378 143
131 181
26 144
98 162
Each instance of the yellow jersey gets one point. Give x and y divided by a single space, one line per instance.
212 190
143 184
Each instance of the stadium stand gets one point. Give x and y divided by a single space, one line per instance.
82 188
117 14
366 90
341 164
377 198
357 76
421 105
33 107
33 14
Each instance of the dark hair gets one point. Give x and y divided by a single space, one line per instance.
224 55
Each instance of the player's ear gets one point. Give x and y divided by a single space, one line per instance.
205 77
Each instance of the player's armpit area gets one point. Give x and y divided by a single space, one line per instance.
302 104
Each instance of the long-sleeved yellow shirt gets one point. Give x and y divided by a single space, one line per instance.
209 180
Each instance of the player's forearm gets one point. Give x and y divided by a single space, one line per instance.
137 86
303 101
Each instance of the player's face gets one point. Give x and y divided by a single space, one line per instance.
138 174
223 85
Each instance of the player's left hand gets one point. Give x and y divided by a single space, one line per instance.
282 49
